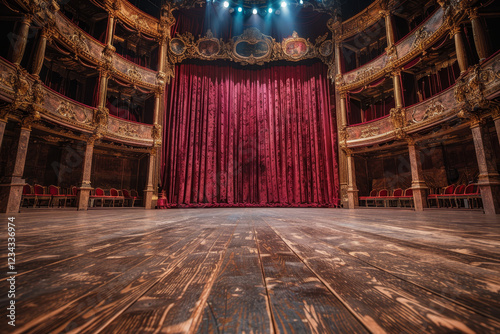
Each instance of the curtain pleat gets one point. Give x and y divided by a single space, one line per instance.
250 137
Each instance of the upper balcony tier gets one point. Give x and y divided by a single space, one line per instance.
479 85
27 94
421 38
96 52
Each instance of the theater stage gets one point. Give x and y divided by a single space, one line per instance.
254 270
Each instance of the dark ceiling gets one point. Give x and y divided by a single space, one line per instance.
348 8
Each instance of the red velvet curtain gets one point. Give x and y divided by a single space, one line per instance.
250 137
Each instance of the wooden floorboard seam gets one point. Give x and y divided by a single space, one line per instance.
121 242
332 291
475 310
197 315
268 297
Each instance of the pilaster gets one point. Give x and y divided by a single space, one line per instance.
417 181
489 179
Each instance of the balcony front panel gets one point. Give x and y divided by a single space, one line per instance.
432 111
7 72
67 112
421 38
358 23
78 39
129 132
366 73
134 73
368 133
491 76
405 50
136 18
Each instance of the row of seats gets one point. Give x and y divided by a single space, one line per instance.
457 196
383 196
114 196
37 195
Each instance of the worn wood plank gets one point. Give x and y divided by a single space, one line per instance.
96 306
238 301
474 287
300 302
176 302
384 302
434 271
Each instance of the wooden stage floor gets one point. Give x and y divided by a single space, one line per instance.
254 271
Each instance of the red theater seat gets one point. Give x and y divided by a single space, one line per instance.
128 197
446 195
407 197
116 197
41 195
372 197
382 197
28 195
56 195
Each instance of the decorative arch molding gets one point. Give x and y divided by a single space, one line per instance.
249 48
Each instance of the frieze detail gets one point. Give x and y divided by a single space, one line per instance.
251 47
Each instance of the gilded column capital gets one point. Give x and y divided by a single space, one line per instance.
473 13
495 112
348 152
101 115
395 72
153 151
104 71
454 30
29 120
342 94
410 140
384 13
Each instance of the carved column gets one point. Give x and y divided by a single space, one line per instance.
352 189
19 40
489 180
148 192
162 55
11 186
463 63
398 94
110 31
39 53
479 33
3 124
417 181
341 125
496 120
84 189
389 29
103 88
338 58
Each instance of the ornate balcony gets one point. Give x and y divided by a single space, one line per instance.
29 96
469 97
408 48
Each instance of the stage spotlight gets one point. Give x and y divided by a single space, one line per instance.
270 10
277 12
283 4
254 11
225 4
240 9
301 2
